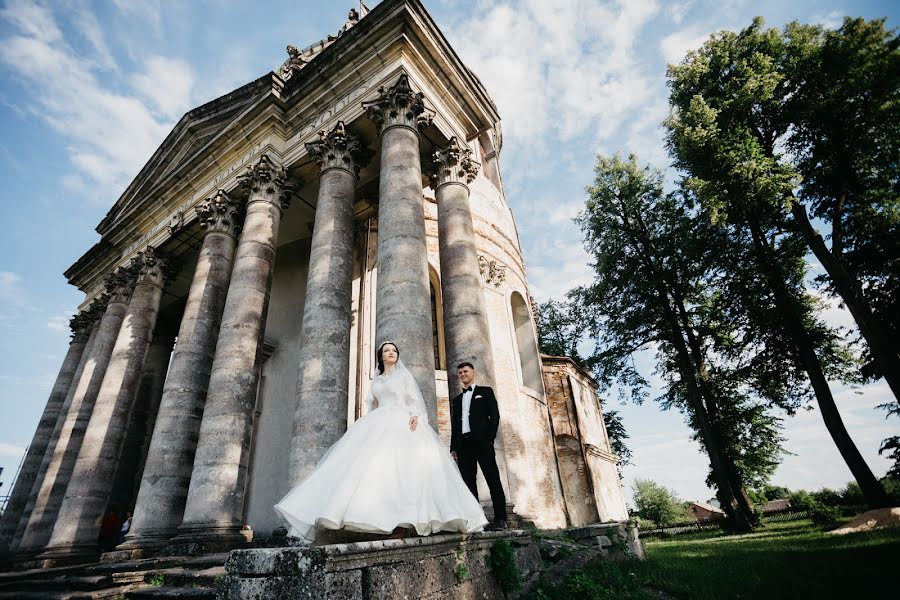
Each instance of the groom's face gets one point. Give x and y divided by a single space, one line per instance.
466 376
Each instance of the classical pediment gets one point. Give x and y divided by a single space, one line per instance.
189 136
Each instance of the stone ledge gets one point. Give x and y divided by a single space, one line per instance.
440 566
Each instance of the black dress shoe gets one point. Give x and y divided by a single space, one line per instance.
497 526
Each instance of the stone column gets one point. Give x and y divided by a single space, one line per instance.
78 524
466 333
81 398
81 326
212 513
323 373
403 296
167 472
143 416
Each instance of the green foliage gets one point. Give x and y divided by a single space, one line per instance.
560 331
891 447
891 485
656 503
158 579
824 515
802 500
502 561
461 571
782 561
615 429
600 579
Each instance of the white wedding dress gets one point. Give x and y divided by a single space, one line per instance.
380 475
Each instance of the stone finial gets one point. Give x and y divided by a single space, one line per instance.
152 267
453 164
119 285
267 182
339 149
221 213
399 105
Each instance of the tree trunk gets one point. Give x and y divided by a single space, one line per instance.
885 353
727 497
793 321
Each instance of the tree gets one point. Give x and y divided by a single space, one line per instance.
656 503
615 430
891 446
840 97
724 134
655 261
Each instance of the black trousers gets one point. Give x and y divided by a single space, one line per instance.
473 453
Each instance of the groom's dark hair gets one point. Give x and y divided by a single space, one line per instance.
462 365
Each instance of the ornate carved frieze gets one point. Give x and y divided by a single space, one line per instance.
339 149
221 213
493 272
453 164
267 182
120 284
152 267
399 105
176 222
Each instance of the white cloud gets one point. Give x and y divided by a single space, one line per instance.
33 20
677 10
675 46
11 450
110 135
145 11
167 84
832 20
564 68
11 290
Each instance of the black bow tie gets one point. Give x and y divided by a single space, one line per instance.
469 389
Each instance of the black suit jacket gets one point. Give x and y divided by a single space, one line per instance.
484 417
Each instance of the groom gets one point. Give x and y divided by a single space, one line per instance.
474 419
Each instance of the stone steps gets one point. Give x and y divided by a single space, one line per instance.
161 577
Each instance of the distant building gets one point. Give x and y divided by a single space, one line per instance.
707 512
776 506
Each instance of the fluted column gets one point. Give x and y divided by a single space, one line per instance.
78 524
403 297
81 326
323 372
167 472
143 416
81 399
466 333
215 498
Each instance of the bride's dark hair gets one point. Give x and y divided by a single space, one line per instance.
378 360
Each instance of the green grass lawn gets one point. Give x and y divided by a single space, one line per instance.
785 560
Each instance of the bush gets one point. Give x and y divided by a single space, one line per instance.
825 516
502 561
600 579
656 503
801 500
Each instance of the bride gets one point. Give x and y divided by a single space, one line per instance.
389 470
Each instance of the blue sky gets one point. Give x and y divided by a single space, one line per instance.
88 89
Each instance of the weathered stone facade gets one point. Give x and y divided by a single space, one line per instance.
353 196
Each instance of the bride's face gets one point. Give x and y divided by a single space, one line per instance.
389 354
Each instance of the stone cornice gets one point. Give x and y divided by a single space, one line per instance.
221 213
339 149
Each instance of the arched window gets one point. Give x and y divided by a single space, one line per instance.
529 360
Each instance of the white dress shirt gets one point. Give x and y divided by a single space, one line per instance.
466 407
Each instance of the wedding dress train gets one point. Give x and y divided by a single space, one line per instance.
380 475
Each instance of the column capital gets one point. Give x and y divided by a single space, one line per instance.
453 164
221 213
339 149
152 267
119 285
81 325
398 105
267 182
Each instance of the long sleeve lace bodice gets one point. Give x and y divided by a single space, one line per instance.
397 389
